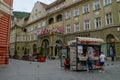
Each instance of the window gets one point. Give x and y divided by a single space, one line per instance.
87 25
107 2
35 37
59 18
118 0
119 15
68 28
68 15
85 8
51 20
75 0
109 18
76 11
39 25
44 23
24 38
97 22
96 4
76 27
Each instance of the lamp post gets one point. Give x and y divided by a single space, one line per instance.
15 51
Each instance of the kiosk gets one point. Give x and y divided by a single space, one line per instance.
80 49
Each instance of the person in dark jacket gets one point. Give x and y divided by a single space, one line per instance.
89 64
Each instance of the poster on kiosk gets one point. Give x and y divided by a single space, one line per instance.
81 48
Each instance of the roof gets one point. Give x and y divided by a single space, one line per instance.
44 5
52 4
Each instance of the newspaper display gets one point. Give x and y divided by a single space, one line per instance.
73 58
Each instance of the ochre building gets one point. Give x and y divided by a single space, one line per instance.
51 26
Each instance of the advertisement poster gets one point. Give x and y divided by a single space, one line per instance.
63 56
80 50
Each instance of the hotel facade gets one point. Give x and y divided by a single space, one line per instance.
52 26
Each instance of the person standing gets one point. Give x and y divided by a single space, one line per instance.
112 53
89 64
102 62
66 64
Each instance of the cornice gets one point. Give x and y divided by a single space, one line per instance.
5 8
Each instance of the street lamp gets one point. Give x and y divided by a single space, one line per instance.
15 51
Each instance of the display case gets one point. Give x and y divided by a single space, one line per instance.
80 49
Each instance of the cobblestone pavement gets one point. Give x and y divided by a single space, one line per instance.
51 70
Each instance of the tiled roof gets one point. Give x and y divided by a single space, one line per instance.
52 4
44 5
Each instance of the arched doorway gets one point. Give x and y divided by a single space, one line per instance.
45 47
58 47
34 48
110 44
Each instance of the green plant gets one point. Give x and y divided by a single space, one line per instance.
41 51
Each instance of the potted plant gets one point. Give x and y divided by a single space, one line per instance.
41 58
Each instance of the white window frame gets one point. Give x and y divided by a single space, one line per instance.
44 23
68 28
119 15
96 5
68 15
98 22
87 24
76 11
75 1
86 8
107 2
109 18
35 37
118 0
39 25
76 27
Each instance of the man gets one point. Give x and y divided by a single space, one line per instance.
102 61
89 64
112 53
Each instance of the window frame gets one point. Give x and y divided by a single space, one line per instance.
87 22
68 15
76 27
68 28
76 12
109 20
99 21
107 2
96 3
86 8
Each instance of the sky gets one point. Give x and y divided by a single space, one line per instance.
27 5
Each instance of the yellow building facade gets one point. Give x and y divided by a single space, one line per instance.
52 26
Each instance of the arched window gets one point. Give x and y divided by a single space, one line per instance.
59 18
51 20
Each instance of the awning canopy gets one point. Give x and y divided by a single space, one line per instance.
86 40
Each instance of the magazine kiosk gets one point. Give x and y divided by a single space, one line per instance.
81 48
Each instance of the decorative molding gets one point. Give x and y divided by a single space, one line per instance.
5 8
